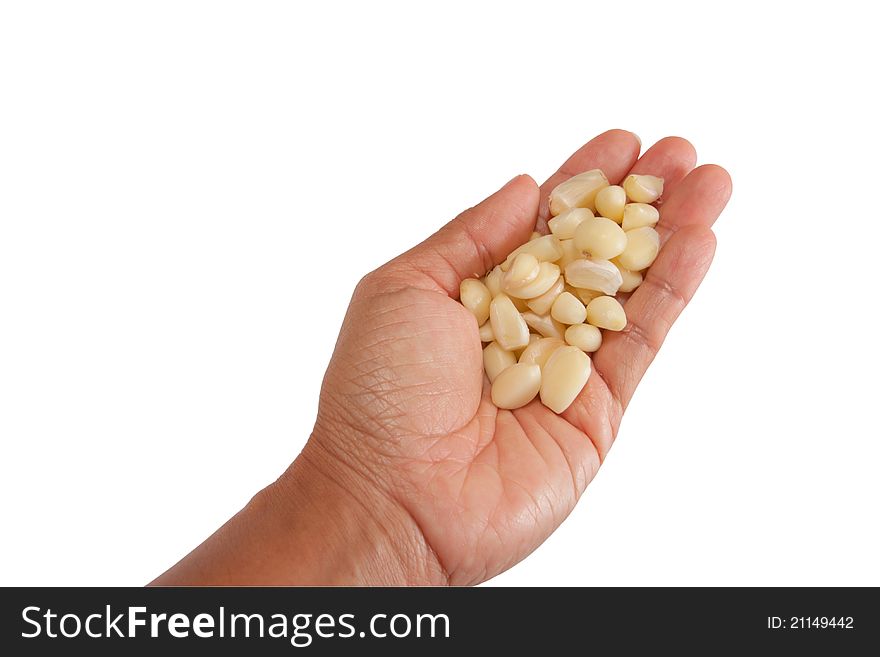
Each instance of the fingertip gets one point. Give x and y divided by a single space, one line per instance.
533 190
531 181
524 182
719 177
683 149
625 140
620 133
698 199
694 244
523 191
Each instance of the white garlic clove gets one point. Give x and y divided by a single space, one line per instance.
548 274
642 247
642 188
568 309
600 238
546 249
475 296
509 327
585 337
542 304
606 313
523 270
577 192
539 351
564 376
545 325
496 360
564 225
610 202
631 279
637 215
592 274
516 386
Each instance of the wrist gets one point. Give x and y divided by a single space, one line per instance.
345 529
319 523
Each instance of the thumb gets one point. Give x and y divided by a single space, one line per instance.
477 239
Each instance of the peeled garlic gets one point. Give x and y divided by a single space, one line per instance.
492 281
577 192
590 274
584 295
569 252
564 376
496 360
548 273
545 325
539 351
568 309
610 202
475 297
542 304
563 226
509 327
546 249
642 188
642 246
631 279
585 337
516 386
523 271
636 215
542 311
606 313
600 238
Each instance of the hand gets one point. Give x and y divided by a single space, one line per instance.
411 474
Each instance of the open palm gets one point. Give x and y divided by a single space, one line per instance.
405 406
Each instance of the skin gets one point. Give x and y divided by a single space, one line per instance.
411 475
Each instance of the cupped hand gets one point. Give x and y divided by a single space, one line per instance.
405 422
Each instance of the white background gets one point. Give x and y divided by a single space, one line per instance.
189 192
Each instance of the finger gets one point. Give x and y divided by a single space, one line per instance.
671 158
614 152
698 199
671 281
476 240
